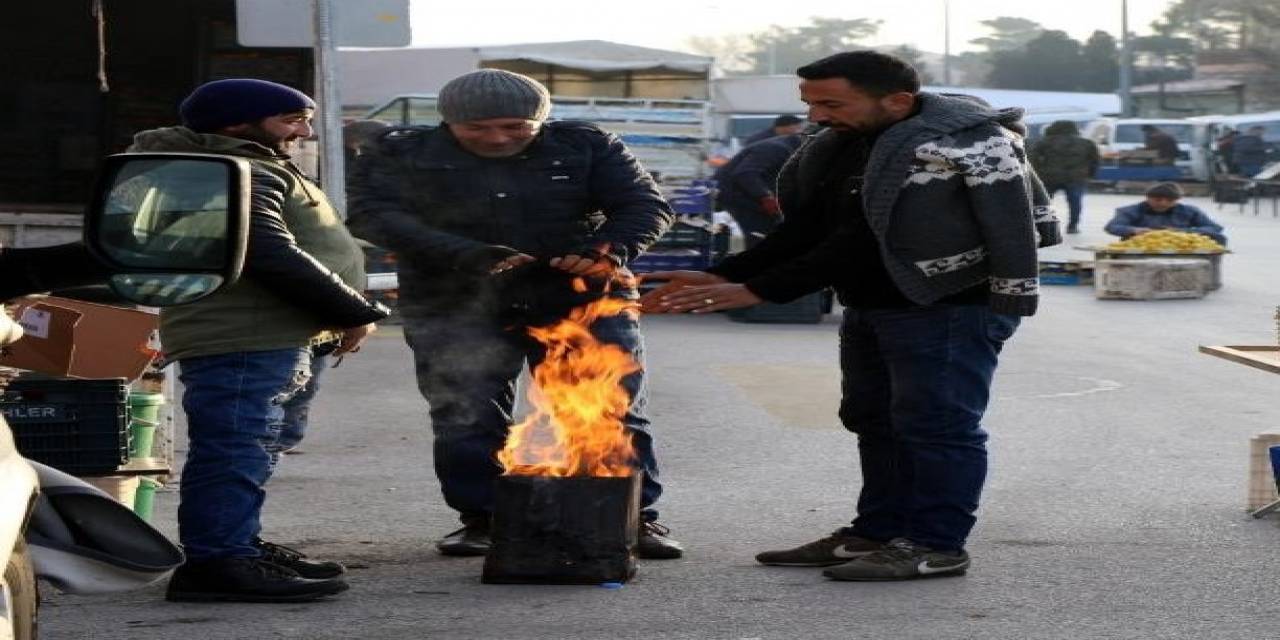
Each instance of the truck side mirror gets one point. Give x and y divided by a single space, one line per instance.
170 227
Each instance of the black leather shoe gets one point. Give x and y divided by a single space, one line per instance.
283 556
245 580
654 543
471 540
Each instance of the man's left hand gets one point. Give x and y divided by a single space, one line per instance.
709 298
583 265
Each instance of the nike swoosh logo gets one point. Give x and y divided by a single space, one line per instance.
842 552
925 569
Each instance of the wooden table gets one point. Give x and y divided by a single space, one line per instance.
1266 358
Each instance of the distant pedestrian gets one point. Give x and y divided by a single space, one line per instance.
1224 147
1066 161
1250 152
1165 145
748 183
356 135
784 125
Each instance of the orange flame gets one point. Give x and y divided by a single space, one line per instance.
576 426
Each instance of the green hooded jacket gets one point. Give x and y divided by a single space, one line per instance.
247 316
1063 157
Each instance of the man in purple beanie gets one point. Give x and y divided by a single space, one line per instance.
245 351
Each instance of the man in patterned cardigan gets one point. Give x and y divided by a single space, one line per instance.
922 212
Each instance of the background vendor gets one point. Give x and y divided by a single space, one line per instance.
1162 210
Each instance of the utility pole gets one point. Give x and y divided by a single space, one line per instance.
1126 62
946 42
332 177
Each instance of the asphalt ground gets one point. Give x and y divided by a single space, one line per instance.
1114 509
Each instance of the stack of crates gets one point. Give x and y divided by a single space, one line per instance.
77 426
690 242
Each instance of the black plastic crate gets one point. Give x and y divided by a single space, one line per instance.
683 235
672 260
77 426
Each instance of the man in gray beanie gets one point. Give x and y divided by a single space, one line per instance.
493 216
1163 209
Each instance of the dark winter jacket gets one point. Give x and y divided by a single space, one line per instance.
1165 145
1062 157
1249 151
303 271
753 173
947 193
449 215
1182 217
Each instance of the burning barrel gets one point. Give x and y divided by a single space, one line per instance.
566 509
549 530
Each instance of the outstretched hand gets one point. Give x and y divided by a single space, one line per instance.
694 291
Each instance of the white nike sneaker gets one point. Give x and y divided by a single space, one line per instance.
902 559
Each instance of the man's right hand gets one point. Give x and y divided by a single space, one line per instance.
353 337
511 262
673 281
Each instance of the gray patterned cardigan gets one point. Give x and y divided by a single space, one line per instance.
951 199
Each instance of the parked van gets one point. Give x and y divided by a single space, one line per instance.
1114 136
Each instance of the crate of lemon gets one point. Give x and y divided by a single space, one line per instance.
1164 244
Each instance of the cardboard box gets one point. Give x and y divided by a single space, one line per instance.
77 339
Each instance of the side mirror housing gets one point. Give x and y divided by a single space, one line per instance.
171 228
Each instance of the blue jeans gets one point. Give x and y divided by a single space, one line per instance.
915 386
1075 200
297 411
467 370
234 406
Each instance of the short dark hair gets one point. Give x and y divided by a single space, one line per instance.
878 74
786 121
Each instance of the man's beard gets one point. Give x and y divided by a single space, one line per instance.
264 138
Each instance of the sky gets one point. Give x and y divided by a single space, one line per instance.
668 24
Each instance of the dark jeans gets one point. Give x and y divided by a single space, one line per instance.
234 405
467 369
1075 200
915 385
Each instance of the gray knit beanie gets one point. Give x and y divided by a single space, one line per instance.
493 93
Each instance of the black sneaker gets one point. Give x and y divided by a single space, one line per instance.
283 556
902 559
838 548
245 580
654 543
471 540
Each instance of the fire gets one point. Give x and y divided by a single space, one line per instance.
576 426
